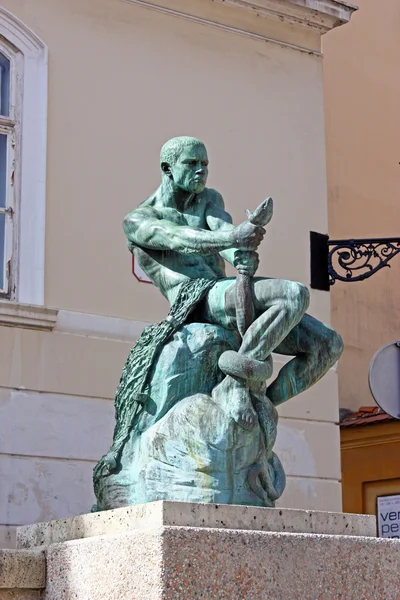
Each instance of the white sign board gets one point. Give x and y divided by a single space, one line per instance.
389 516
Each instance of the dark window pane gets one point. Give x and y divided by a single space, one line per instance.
2 245
4 86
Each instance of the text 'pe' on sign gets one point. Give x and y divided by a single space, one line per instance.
388 508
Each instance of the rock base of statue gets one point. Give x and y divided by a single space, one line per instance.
185 446
175 551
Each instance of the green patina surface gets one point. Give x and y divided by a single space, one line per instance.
196 415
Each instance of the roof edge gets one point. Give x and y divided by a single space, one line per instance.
318 15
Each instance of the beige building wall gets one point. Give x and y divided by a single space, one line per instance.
362 99
122 80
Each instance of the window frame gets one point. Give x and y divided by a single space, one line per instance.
29 98
11 127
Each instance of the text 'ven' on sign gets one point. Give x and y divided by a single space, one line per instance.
388 508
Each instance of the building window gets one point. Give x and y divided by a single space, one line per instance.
23 136
8 133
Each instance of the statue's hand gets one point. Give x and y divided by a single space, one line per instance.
246 262
247 236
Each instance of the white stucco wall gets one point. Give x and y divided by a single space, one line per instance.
122 80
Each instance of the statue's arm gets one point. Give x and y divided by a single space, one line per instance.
146 228
219 220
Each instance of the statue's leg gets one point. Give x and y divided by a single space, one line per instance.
279 306
316 348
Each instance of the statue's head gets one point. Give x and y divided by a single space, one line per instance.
184 160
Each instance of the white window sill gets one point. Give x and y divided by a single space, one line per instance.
13 314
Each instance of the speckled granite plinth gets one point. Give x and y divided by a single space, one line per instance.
22 574
186 514
177 551
183 563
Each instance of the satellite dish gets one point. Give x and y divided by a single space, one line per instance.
384 379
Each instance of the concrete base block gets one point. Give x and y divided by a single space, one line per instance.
22 574
22 569
184 563
179 551
186 514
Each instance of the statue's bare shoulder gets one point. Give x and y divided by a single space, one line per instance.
146 210
214 198
216 214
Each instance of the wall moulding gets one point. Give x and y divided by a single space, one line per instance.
13 314
370 435
320 15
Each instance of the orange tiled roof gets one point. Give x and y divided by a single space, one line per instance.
366 415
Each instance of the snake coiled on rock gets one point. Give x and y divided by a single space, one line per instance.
266 477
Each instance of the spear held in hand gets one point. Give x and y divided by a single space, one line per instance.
244 301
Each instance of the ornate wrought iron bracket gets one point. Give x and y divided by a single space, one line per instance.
348 260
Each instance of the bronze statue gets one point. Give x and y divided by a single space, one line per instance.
181 236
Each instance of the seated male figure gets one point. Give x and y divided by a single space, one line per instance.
183 232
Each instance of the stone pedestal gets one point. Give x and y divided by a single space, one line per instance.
22 574
178 551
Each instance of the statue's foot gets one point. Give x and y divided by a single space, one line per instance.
234 398
244 414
